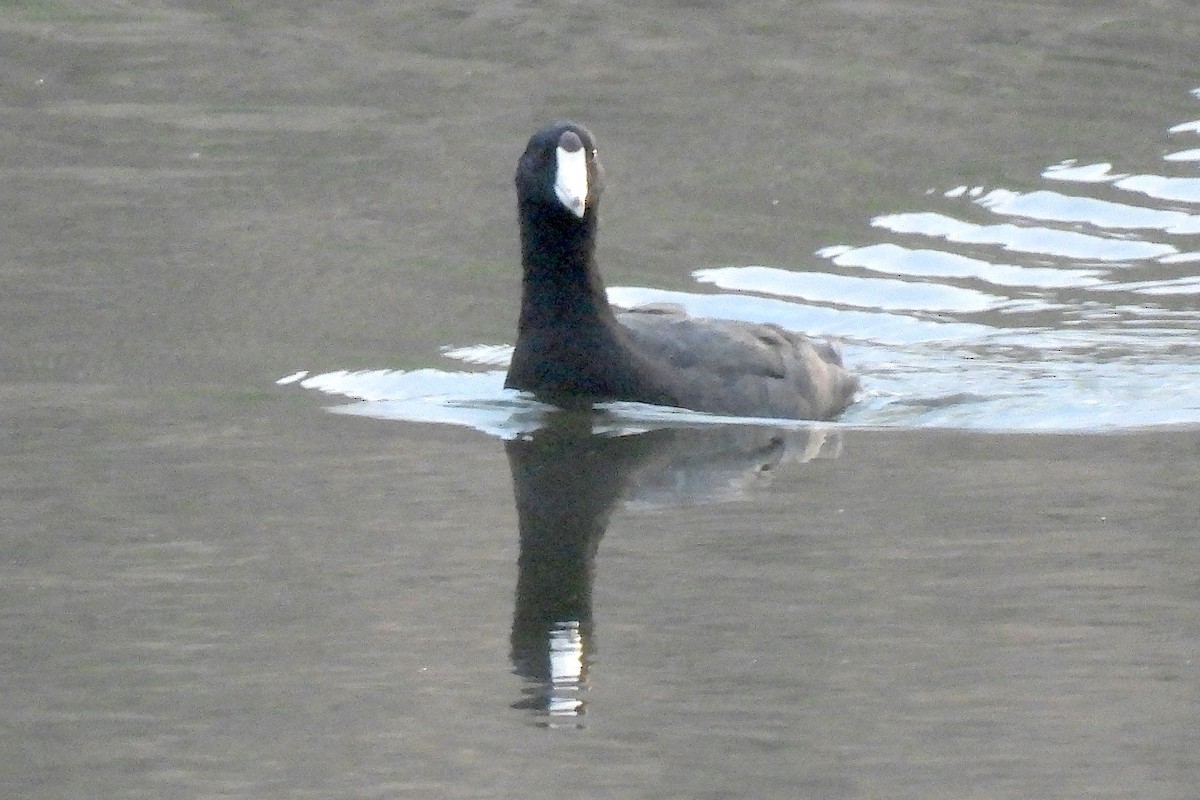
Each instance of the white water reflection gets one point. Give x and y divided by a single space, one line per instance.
1160 187
1073 172
479 400
884 294
1051 242
897 260
1049 206
879 325
1089 321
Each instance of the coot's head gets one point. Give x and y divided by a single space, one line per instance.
560 171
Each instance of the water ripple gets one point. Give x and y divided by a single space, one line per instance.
1049 206
1183 155
1088 322
874 293
1052 242
897 260
1161 187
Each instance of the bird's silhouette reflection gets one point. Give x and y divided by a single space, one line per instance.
567 480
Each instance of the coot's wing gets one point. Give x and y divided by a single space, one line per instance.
742 367
725 346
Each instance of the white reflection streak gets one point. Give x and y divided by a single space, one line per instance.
880 293
491 355
1048 206
1183 155
1046 241
566 670
897 260
1072 172
1160 187
846 323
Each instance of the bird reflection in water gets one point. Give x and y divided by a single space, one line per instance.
567 479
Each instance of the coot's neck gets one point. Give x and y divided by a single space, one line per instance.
570 347
561 285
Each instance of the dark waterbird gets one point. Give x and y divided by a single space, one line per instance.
574 349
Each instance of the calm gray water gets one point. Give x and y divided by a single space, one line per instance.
219 224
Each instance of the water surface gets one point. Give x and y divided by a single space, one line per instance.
979 583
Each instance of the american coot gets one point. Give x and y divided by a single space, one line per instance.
574 349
